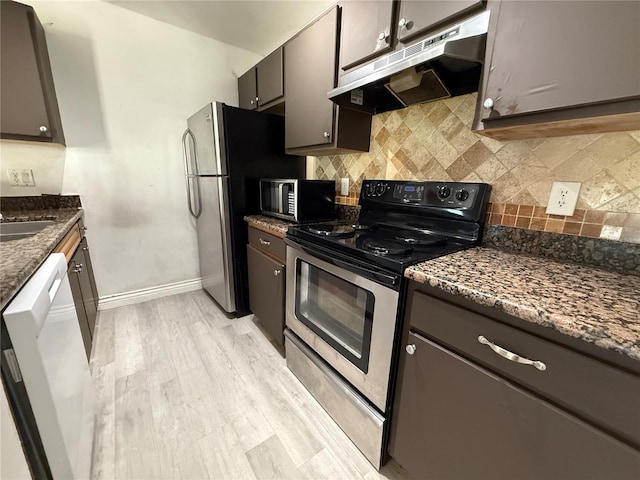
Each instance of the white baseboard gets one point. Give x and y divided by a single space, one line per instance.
144 294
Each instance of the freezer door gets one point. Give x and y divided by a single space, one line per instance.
206 127
214 241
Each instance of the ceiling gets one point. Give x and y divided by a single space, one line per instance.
257 26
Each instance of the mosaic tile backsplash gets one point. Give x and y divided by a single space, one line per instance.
433 141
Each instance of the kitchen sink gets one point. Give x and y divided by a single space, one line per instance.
18 230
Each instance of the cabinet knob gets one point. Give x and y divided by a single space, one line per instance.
257 99
252 102
86 249
488 103
85 228
383 36
326 134
411 349
276 272
43 128
78 268
403 23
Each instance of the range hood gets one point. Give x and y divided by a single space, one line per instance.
443 65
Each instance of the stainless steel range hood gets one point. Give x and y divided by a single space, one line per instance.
443 65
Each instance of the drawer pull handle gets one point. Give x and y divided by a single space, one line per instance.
512 356
265 242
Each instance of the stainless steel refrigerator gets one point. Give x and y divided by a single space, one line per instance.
226 151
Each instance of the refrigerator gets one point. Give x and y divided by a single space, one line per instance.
226 151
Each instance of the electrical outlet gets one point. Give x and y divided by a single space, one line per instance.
27 177
344 186
563 198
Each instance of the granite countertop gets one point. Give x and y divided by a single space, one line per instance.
269 224
593 305
19 259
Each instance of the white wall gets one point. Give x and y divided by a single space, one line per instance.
46 161
125 85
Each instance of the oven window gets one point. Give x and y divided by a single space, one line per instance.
340 312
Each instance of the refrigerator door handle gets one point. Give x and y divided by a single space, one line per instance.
188 176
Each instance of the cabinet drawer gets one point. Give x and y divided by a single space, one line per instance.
268 243
594 390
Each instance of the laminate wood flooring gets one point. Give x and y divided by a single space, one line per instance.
183 392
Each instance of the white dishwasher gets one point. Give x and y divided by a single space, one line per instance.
43 327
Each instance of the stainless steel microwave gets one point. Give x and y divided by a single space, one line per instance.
298 200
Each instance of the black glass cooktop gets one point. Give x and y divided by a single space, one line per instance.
388 246
402 223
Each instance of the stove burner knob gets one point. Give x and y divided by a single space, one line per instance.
444 191
369 190
462 195
381 188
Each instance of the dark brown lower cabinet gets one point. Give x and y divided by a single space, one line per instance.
85 295
458 421
463 411
266 292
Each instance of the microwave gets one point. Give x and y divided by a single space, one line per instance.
298 200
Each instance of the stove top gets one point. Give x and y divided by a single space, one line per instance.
385 246
403 223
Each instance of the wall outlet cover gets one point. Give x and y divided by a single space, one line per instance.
563 198
344 186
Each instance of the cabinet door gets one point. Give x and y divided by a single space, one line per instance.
76 291
455 420
270 77
89 290
552 55
23 107
367 31
310 72
247 90
417 17
266 292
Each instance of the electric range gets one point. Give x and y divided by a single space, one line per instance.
346 291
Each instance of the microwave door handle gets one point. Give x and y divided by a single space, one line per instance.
279 204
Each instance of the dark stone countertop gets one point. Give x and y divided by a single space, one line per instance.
19 259
269 224
586 303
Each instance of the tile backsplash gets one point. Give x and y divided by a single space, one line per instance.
433 141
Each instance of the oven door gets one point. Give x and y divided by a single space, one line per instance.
346 318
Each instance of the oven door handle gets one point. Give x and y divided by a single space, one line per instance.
380 277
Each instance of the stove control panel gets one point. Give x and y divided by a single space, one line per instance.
449 195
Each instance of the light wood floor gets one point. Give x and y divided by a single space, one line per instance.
184 392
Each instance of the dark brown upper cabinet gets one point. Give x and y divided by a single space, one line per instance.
368 30
28 104
263 84
417 17
560 68
313 124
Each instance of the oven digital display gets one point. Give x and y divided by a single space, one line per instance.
409 193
